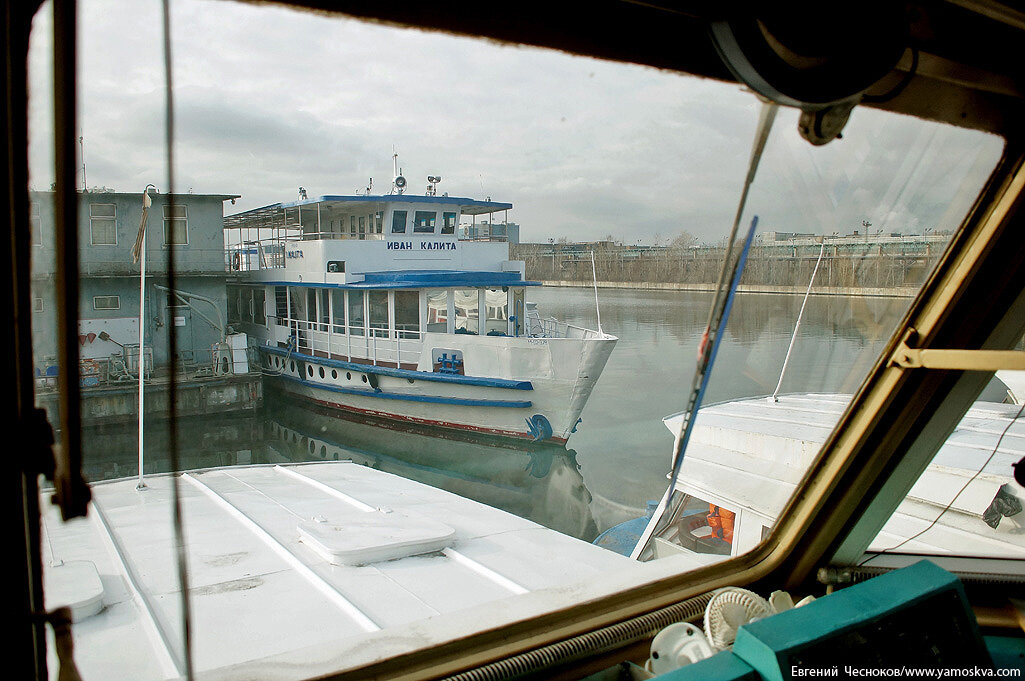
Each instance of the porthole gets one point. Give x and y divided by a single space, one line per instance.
334 373
309 371
323 452
322 372
348 376
293 366
410 381
364 377
313 446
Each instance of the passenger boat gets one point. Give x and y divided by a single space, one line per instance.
746 457
372 304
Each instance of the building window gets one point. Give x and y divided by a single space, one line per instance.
106 302
423 221
176 225
398 222
448 224
35 224
102 224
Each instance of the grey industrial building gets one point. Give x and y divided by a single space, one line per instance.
108 225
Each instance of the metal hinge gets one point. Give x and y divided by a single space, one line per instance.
908 357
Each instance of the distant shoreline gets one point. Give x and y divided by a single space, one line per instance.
903 292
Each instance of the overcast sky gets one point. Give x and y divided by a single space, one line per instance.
269 99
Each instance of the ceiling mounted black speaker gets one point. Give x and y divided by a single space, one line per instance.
811 55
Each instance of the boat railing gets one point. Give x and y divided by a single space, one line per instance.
266 254
550 327
376 346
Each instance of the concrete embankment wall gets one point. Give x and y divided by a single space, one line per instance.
903 292
194 397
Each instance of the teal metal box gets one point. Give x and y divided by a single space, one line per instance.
722 667
916 617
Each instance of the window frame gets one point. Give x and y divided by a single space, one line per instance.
174 219
425 221
94 219
114 297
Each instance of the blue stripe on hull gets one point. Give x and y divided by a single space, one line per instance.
434 399
402 373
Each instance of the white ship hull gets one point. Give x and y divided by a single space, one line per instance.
523 388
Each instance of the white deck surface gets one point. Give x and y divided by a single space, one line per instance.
257 591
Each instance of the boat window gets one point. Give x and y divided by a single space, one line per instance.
355 304
311 308
377 305
338 310
259 306
423 221
448 225
437 310
323 309
379 222
693 526
398 222
497 312
352 226
467 303
362 227
234 306
280 304
407 314
518 309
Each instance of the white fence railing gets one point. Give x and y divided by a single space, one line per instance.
379 346
537 327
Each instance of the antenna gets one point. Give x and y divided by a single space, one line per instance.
398 184
81 147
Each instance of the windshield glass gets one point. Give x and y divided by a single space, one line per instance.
501 353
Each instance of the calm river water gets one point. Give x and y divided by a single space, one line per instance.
619 457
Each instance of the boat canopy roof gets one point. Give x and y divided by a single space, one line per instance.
284 214
753 452
406 279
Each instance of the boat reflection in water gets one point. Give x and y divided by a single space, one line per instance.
539 482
